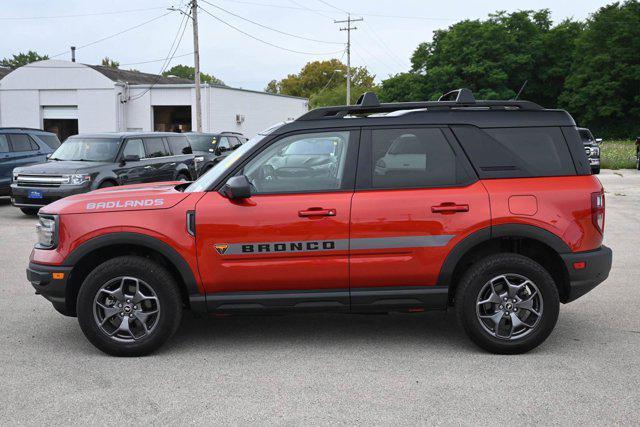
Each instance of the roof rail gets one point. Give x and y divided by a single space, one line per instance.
22 128
368 103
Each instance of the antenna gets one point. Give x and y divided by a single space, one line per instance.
520 91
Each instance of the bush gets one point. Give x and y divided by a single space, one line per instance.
618 154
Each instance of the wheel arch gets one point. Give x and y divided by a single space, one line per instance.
534 242
99 249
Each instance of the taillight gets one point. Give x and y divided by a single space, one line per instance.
597 210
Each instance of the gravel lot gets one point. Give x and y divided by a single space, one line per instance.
320 369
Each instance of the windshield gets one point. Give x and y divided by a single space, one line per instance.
585 135
202 142
88 149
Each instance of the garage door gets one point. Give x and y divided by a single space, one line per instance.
67 112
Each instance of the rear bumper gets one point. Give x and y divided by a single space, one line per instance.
20 195
55 290
597 265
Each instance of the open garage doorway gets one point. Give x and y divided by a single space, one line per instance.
172 118
64 128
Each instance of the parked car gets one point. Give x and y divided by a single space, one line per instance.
21 147
592 148
87 162
492 211
211 148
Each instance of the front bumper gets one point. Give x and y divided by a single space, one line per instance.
50 281
20 195
594 161
597 265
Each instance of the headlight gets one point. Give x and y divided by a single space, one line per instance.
47 231
15 176
595 151
76 179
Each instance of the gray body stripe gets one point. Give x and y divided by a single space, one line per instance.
339 244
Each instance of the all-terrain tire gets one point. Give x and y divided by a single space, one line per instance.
156 280
476 279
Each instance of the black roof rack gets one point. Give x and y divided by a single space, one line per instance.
368 103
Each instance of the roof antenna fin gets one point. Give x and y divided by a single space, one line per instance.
462 95
368 99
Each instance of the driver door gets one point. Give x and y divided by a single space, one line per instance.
291 236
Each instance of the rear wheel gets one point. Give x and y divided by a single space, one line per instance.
129 306
30 211
507 303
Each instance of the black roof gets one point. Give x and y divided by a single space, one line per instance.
124 134
137 77
33 130
4 71
459 109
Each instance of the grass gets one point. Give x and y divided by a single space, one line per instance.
618 154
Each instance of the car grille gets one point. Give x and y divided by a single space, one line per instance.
40 180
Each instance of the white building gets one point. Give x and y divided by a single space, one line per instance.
69 97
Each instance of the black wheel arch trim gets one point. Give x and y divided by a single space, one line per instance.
488 233
138 239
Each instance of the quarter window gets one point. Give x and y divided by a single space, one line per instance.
300 163
155 147
414 158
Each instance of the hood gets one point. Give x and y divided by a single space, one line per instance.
161 195
60 166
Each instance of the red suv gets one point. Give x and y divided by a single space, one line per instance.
486 206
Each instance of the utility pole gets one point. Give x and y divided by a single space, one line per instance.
196 63
348 30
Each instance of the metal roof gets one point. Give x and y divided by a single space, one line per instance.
4 71
137 77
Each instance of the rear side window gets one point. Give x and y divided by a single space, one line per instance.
179 145
516 152
155 147
51 140
4 144
22 142
414 158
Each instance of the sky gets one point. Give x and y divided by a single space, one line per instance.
244 56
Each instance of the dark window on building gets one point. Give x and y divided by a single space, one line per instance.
516 152
155 147
22 142
51 140
179 145
4 144
414 158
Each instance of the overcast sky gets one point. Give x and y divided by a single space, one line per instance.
383 42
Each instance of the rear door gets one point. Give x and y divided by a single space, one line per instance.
159 163
416 198
24 150
5 161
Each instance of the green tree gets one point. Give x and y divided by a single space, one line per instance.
187 72
22 59
492 57
108 62
603 89
324 83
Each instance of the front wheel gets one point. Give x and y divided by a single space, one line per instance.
507 303
129 306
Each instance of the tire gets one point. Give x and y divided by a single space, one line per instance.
101 286
106 184
477 285
30 211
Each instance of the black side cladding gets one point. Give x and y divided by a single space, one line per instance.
521 152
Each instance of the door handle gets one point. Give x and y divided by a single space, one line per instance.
316 212
449 208
148 167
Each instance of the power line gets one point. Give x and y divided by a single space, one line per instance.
317 12
332 6
264 41
79 15
267 27
372 34
114 35
157 60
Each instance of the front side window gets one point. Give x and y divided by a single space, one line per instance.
134 147
299 163
224 144
155 147
4 144
88 149
22 142
413 158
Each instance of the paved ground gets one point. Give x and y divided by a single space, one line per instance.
321 369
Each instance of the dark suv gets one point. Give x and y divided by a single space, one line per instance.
210 148
592 148
90 161
21 147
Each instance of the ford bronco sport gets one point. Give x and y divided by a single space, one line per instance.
485 206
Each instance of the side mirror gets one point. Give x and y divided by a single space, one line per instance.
237 187
598 140
49 156
221 150
130 158
187 150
